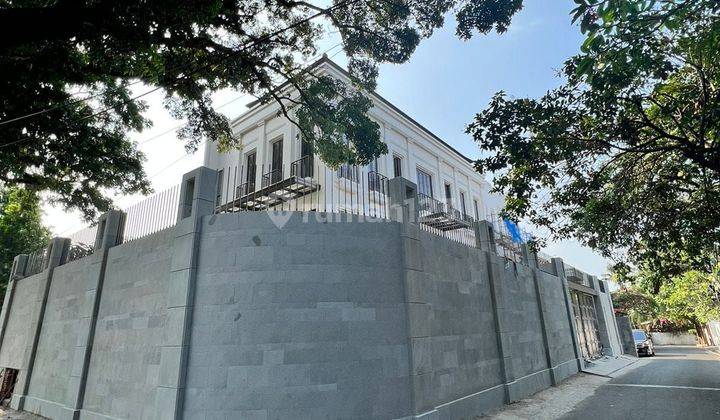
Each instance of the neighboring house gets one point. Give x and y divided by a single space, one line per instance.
272 151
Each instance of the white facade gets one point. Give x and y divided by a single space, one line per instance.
416 148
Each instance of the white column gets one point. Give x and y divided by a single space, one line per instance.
260 154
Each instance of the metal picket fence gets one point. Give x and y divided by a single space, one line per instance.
36 262
82 243
155 213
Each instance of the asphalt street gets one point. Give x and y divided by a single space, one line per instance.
678 383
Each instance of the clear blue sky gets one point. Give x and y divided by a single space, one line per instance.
448 80
442 86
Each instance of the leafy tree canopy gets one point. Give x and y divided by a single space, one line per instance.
636 304
21 229
189 49
625 154
692 297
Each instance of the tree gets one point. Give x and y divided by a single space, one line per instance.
625 155
68 71
21 228
691 297
639 307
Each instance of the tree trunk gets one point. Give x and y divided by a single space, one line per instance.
700 332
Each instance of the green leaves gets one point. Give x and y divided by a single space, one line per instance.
625 155
21 229
689 297
188 49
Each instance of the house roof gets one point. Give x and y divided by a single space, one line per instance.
338 68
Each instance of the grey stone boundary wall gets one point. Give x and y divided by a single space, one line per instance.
257 315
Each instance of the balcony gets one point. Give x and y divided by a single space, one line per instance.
275 188
440 216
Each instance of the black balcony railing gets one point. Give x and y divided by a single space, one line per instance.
272 177
245 189
303 167
429 205
442 216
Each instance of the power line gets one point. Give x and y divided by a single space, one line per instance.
171 129
241 96
185 156
228 56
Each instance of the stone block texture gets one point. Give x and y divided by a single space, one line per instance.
27 303
559 330
303 322
125 358
291 316
61 346
454 345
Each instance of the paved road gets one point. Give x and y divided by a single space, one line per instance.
678 383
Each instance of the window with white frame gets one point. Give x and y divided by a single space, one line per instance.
462 204
424 183
397 165
477 210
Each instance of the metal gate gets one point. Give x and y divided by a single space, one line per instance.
586 324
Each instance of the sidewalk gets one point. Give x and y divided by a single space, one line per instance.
607 365
551 403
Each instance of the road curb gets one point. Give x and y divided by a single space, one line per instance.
609 374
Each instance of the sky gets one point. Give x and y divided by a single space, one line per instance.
444 84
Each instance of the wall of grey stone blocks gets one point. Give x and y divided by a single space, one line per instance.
559 330
453 341
26 304
125 358
521 312
56 356
300 317
303 322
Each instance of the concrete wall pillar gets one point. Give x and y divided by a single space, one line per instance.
626 337
485 236
197 199
502 329
57 251
559 267
109 233
16 272
528 256
404 205
543 310
609 335
404 209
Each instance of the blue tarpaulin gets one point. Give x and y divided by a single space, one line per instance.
514 231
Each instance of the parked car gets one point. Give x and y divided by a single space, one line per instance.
643 343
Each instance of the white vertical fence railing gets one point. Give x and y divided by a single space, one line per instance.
151 215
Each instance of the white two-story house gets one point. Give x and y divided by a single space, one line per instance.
272 152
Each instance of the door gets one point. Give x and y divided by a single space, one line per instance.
306 160
586 325
251 171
